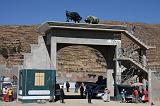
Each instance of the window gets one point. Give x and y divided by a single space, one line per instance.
39 79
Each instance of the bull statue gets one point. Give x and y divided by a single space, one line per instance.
73 16
92 19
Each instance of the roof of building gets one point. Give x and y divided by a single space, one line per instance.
98 27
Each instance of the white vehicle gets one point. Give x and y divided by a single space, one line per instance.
7 84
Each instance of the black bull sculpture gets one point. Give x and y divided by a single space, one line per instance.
73 16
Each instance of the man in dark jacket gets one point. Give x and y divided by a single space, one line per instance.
61 95
81 90
67 86
89 94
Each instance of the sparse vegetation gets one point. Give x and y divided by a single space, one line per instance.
4 52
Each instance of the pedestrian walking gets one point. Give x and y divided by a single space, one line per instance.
123 96
76 87
89 94
62 95
67 86
5 91
81 90
10 94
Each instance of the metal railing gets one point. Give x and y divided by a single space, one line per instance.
126 78
131 51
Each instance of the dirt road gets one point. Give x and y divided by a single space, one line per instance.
74 102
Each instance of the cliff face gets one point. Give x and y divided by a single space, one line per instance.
17 39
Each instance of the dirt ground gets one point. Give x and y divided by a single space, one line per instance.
74 102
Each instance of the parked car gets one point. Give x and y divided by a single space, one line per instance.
98 91
92 86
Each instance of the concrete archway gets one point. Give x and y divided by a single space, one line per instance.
80 63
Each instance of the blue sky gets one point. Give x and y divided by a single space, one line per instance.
38 11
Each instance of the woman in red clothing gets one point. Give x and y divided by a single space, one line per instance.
135 95
5 94
145 96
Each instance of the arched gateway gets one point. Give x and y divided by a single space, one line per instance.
81 63
112 41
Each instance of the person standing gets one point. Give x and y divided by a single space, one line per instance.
62 95
135 95
10 94
106 97
76 87
67 86
89 94
145 96
123 95
5 91
81 90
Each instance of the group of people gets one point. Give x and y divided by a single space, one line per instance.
82 88
89 91
140 95
137 95
7 92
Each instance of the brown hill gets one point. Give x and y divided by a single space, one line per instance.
17 39
147 33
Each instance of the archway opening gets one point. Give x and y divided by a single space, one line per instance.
80 63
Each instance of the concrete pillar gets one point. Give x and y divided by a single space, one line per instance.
118 67
144 60
53 52
110 81
118 73
150 86
144 83
143 57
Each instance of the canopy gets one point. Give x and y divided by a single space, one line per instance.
137 84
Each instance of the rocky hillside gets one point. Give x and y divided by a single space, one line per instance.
80 63
16 40
147 33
